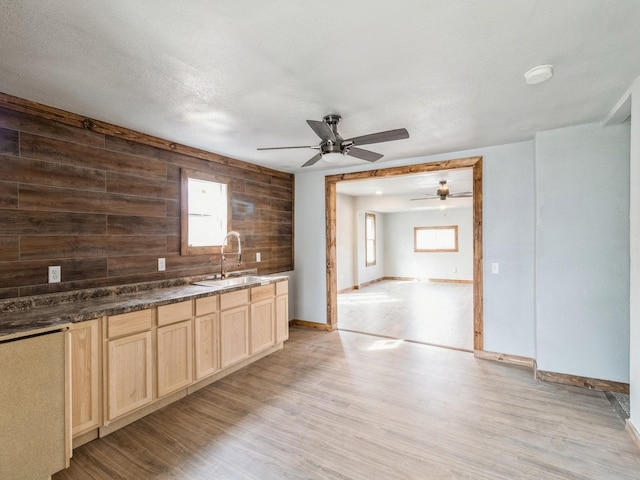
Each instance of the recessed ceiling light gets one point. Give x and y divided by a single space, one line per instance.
378 192
538 74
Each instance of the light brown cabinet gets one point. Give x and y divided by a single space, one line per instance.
122 365
174 343
86 378
282 311
206 337
262 318
234 327
129 363
175 357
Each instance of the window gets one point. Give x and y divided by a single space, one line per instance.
435 239
370 238
204 212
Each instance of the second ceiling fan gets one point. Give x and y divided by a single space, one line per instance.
443 193
332 142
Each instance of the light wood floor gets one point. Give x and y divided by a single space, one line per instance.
341 405
427 312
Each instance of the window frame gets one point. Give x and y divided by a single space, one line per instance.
435 250
371 216
185 175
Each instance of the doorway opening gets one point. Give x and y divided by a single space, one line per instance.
473 163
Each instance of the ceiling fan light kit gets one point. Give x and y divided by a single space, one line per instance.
332 144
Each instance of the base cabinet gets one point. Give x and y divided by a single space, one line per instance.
262 325
175 357
234 335
282 311
128 362
122 365
86 400
206 345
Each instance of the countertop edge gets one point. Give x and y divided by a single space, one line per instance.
38 320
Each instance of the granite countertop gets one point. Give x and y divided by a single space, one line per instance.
40 314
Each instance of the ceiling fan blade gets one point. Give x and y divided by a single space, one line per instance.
426 198
283 148
313 160
322 129
388 136
461 195
362 154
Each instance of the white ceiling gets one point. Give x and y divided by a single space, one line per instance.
229 76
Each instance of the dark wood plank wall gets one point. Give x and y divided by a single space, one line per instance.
105 208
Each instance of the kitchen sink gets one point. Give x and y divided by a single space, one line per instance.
233 282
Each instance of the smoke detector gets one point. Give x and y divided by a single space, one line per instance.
538 74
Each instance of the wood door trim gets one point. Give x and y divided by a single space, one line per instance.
475 163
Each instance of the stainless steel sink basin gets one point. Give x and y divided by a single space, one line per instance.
233 281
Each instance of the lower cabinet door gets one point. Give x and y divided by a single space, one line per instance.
206 348
85 376
130 370
262 325
234 335
175 357
282 318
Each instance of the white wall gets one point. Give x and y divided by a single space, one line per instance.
345 241
402 261
508 297
576 236
582 251
634 298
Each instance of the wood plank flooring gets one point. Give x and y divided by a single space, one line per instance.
342 405
426 312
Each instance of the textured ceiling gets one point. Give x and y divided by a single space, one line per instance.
231 76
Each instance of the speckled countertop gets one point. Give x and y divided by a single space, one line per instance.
33 315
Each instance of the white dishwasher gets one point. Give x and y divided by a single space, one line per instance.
33 393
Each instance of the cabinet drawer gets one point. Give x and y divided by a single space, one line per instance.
206 305
234 299
282 287
262 292
174 312
128 323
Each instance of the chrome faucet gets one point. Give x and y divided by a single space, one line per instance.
223 273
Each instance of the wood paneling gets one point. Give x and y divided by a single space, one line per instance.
9 142
8 195
104 202
28 222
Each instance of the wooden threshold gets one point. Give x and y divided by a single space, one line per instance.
450 280
306 324
505 358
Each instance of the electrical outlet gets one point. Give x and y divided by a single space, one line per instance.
495 268
55 274
162 265
258 257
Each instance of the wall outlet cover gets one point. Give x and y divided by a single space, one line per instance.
55 274
162 265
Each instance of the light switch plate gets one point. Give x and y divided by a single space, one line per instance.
258 257
161 265
495 268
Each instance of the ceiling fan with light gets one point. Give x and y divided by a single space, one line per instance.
332 143
443 193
